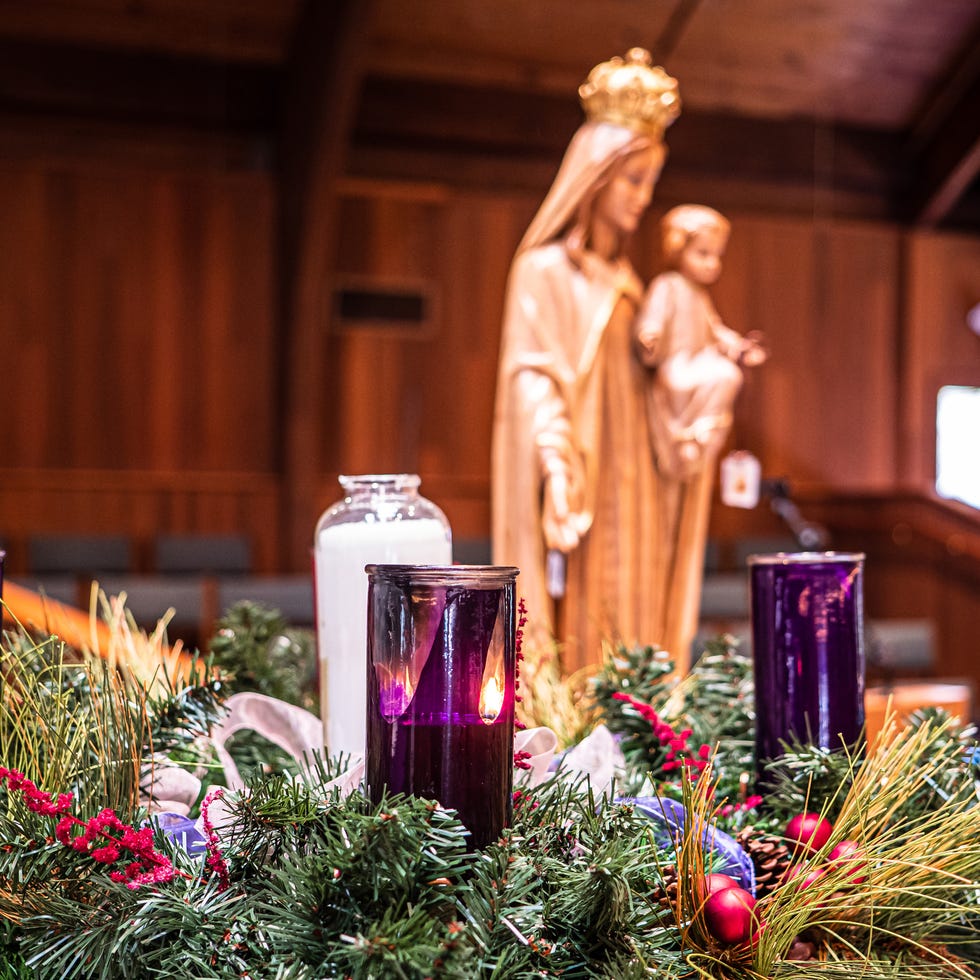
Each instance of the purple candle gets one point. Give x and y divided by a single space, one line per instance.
808 650
440 703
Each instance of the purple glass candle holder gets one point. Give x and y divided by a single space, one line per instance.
808 650
440 702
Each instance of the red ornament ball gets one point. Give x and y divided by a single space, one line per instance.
812 876
730 917
848 855
808 832
716 882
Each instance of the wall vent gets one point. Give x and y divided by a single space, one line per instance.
406 308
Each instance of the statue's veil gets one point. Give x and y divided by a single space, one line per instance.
594 149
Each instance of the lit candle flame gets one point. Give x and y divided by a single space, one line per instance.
491 700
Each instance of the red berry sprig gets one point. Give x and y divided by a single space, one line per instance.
35 800
215 861
519 658
679 752
147 867
104 838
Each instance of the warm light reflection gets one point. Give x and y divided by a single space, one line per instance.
491 700
396 689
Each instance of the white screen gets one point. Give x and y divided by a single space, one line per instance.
958 444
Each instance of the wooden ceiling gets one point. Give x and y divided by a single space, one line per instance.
879 100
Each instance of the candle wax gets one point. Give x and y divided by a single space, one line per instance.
342 551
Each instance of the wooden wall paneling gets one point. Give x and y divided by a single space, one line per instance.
825 296
140 504
150 291
136 315
426 403
381 374
24 349
196 334
820 411
151 356
857 290
139 297
99 227
942 283
164 318
120 315
775 257
482 235
238 370
80 238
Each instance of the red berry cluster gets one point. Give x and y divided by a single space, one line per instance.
216 861
147 865
522 800
808 833
679 753
34 799
518 660
749 803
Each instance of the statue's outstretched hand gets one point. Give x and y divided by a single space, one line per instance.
754 351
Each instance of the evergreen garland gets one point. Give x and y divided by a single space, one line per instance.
666 725
302 883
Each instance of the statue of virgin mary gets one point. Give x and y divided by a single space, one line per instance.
607 548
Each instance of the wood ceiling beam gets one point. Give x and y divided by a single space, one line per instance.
39 78
944 147
475 128
324 69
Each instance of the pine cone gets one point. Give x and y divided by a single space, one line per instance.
770 857
666 894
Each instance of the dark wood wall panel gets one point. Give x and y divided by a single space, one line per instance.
140 350
423 401
136 320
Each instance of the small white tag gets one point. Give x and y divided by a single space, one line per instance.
741 475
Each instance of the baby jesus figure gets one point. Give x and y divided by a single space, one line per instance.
696 358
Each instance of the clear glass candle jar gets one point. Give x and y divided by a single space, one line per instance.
382 518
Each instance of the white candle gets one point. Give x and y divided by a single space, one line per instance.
342 551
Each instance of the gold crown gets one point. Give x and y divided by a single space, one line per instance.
629 92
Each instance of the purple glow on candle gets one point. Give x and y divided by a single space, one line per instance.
440 718
808 650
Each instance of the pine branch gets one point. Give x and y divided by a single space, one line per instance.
255 648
